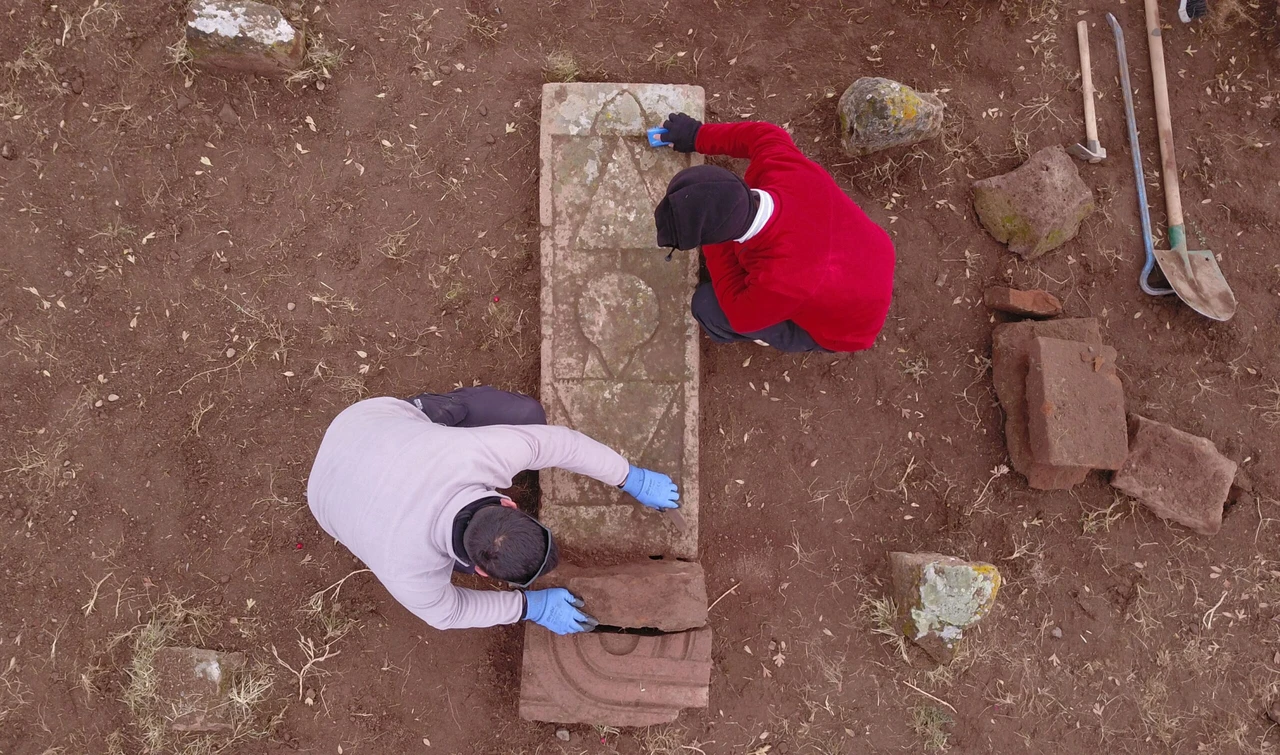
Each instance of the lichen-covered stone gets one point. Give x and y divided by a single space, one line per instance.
878 113
1036 208
243 36
939 597
192 685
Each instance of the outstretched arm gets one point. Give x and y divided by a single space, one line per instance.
436 601
749 139
512 449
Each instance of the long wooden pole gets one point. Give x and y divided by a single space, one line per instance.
1164 122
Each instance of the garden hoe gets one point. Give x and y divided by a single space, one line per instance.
1194 275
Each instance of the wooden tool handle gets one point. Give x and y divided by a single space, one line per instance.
1164 123
1086 84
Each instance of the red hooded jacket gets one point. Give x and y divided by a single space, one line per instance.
819 261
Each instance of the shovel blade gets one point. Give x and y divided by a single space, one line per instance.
1196 278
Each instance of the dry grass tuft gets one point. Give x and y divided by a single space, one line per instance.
171 619
1225 15
320 63
1270 407
481 26
882 616
561 66
930 723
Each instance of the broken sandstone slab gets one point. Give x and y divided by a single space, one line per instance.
243 36
1034 303
613 679
1075 405
1010 349
619 346
939 597
1037 207
665 595
1177 475
878 114
192 684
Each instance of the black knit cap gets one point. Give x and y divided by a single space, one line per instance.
704 204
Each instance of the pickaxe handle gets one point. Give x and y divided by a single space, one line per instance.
1086 86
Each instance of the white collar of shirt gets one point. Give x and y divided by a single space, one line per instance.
763 213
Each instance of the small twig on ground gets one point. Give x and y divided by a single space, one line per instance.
931 697
722 596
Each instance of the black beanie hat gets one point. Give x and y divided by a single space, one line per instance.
704 205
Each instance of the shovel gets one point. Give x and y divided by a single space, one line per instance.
1194 275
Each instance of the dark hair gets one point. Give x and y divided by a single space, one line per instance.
508 544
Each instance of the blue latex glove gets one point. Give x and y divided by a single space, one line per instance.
653 489
655 137
557 609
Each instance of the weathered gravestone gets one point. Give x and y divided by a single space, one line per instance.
619 347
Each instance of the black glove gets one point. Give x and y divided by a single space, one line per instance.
682 132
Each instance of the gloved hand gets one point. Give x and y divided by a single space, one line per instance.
681 132
653 489
557 609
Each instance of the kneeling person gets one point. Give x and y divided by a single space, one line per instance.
794 263
410 488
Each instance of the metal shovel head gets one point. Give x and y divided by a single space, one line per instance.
1196 278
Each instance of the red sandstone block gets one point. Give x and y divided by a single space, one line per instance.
1176 475
666 595
613 679
1075 405
1010 345
1035 303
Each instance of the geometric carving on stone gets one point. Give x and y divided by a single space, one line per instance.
611 679
619 347
617 312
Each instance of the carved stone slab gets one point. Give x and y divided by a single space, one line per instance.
619 347
613 679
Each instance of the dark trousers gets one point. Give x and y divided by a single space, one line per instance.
480 406
477 407
785 336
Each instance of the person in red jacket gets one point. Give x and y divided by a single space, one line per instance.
794 263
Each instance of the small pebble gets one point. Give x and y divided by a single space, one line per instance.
18 512
231 353
320 85
562 735
291 306
97 404
489 139
1056 632
77 85
112 397
224 579
482 110
8 151
1274 712
68 273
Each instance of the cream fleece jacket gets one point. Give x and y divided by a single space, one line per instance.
387 483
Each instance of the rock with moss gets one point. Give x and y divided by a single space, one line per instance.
1036 208
878 113
939 598
243 36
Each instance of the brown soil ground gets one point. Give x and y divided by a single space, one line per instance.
379 236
